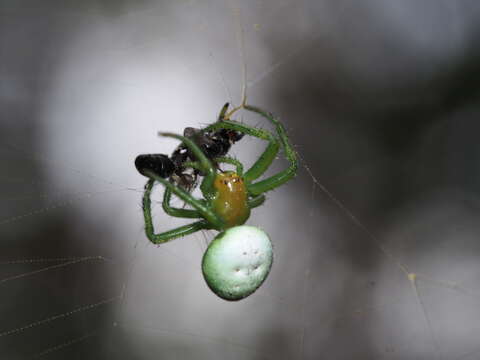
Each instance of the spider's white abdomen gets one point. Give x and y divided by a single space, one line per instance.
237 262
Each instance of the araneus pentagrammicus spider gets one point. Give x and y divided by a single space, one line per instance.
239 259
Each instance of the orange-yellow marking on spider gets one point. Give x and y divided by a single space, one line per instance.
230 202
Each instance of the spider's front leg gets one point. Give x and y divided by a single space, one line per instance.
285 175
220 160
269 154
267 157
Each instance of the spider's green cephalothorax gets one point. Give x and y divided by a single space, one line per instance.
228 197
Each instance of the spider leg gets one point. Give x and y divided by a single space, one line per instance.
177 212
170 234
229 160
177 232
222 159
256 201
211 218
267 157
285 175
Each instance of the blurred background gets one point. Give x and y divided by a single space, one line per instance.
380 99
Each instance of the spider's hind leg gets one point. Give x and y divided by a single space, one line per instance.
177 212
197 204
170 234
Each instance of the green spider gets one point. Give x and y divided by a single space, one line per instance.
239 259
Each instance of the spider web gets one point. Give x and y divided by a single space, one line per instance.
375 240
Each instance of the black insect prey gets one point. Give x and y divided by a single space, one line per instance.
214 144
